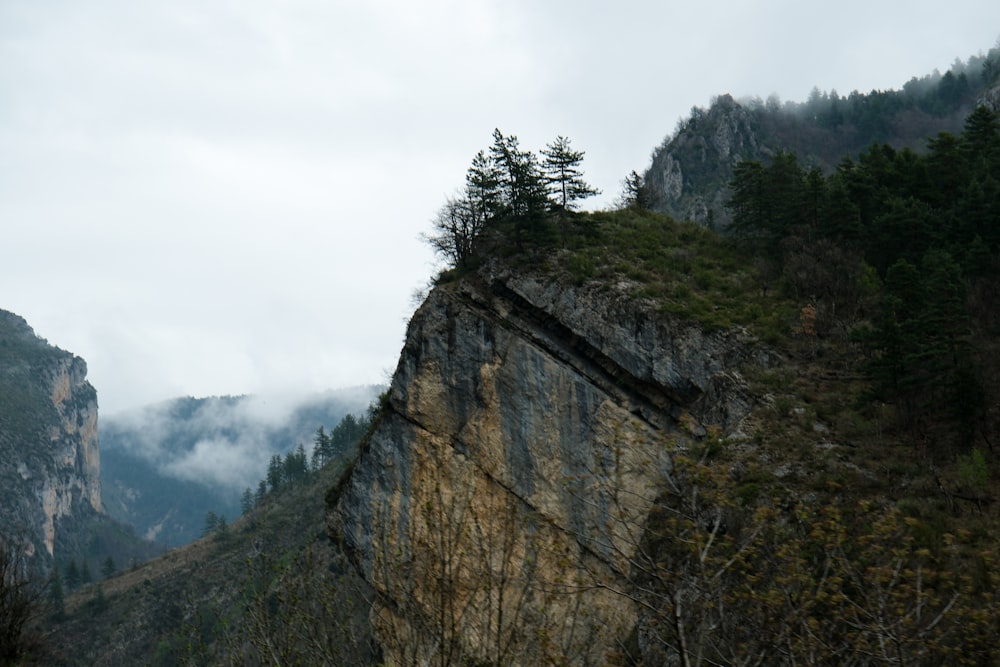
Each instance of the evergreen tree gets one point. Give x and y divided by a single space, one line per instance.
246 501
321 448
748 202
57 597
347 432
563 176
211 524
980 140
275 473
635 194
85 576
108 567
482 188
72 575
295 466
521 186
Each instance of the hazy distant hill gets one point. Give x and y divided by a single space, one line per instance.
165 466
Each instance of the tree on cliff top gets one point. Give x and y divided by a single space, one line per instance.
563 174
512 191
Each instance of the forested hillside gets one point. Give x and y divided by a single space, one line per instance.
856 503
690 171
897 250
165 466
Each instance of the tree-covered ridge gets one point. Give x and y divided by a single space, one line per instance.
916 235
511 191
691 169
25 406
297 467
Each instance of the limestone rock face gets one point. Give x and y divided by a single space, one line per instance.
50 461
689 175
498 504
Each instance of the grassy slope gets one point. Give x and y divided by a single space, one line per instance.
189 603
815 429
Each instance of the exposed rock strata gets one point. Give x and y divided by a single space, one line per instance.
498 504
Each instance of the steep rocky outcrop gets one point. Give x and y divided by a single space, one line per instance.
688 178
689 174
49 456
496 507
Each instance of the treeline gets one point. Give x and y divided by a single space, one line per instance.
935 94
891 116
296 467
898 249
512 192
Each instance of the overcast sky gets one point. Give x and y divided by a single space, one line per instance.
208 197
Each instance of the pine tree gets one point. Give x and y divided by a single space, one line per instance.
108 567
275 473
521 186
246 501
211 524
635 194
482 188
563 176
72 575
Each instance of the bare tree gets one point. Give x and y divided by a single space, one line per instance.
21 602
455 229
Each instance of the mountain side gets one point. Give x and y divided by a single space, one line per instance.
269 588
613 438
690 171
518 454
166 466
49 455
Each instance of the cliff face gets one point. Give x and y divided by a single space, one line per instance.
50 463
689 176
498 504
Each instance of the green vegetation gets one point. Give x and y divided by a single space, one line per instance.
870 538
779 580
295 468
25 408
691 170
512 192
901 248
270 588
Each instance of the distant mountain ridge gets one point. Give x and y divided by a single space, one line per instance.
165 466
690 171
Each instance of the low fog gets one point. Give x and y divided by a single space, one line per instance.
226 442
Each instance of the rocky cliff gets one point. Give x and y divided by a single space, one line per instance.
689 174
49 456
497 506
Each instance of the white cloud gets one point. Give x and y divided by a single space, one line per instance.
219 197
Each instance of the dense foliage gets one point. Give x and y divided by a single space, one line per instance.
902 246
879 281
691 169
512 191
